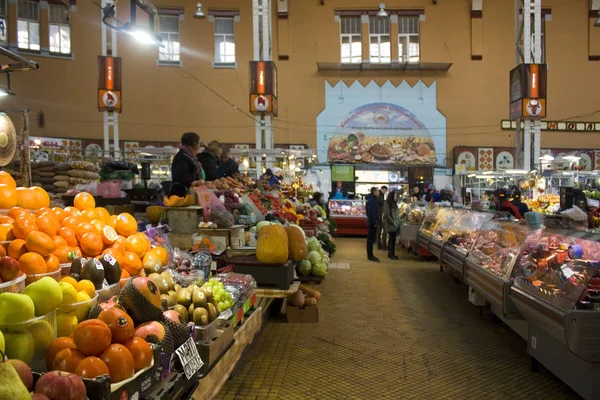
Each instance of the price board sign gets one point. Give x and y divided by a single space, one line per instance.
189 357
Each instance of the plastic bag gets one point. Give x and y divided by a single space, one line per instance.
575 214
109 189
159 237
208 201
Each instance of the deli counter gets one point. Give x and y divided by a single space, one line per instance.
349 215
441 230
544 284
428 226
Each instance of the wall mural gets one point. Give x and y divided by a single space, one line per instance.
381 124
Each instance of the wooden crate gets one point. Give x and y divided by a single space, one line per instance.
184 219
181 240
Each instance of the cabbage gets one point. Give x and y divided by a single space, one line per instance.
304 267
313 244
252 229
314 257
320 269
325 259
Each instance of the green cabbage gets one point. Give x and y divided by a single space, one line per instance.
304 267
313 244
320 269
314 257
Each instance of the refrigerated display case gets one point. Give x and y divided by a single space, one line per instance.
442 229
557 289
429 223
459 241
349 215
490 261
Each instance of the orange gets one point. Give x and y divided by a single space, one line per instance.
63 254
42 197
70 280
15 212
52 263
91 244
8 196
40 243
72 211
43 210
84 201
136 244
109 236
32 198
59 241
112 221
60 214
103 214
69 235
32 263
6 232
91 367
125 274
126 225
72 222
120 247
86 286
5 219
83 228
98 224
162 255
23 226
7 179
115 253
17 248
90 215
47 223
132 263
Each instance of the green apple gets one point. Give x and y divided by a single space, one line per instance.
46 295
2 345
43 335
20 345
15 308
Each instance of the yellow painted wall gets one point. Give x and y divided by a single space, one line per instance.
159 103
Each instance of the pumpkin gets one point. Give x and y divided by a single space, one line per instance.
271 247
153 213
189 200
298 250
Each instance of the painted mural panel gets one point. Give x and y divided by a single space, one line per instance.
381 125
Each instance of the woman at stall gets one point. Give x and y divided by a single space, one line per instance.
391 218
185 168
269 177
432 196
209 159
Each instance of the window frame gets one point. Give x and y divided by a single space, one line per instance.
29 22
404 54
177 15
216 62
60 26
379 36
350 36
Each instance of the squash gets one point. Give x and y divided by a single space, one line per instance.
271 247
298 250
262 224
189 200
173 201
153 213
296 299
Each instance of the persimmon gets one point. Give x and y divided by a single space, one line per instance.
92 337
40 243
91 367
59 242
120 324
16 248
57 345
52 263
119 361
67 360
69 235
141 352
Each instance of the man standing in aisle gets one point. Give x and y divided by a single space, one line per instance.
373 220
381 232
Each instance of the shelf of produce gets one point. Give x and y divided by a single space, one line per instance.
350 225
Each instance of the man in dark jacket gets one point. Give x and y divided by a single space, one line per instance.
373 220
381 239
210 160
185 168
227 165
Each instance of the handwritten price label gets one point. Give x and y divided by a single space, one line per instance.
189 357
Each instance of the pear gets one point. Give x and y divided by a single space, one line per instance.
15 307
46 295
11 385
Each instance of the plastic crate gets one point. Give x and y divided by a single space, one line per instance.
309 228
15 286
203 334
36 277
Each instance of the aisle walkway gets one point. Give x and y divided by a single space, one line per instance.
394 330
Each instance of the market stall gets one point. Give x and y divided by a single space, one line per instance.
441 230
427 227
349 215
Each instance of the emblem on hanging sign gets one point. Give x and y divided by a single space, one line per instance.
110 99
109 84
528 91
263 87
261 103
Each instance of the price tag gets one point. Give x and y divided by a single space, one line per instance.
226 314
189 357
593 203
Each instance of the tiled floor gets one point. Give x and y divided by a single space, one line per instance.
393 330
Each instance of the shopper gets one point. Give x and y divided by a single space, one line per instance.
391 216
210 160
502 204
416 193
185 168
522 207
227 165
372 222
269 177
432 196
381 234
318 204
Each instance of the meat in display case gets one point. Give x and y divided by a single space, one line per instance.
428 225
349 215
493 254
442 229
459 240
557 289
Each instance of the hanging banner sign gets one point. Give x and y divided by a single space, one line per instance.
528 89
263 87
109 83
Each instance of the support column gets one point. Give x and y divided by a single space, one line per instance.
594 32
476 29
110 118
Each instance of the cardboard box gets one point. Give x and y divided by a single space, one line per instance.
237 237
304 314
210 352
116 210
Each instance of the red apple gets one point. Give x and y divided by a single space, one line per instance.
9 269
151 332
24 372
59 385
173 316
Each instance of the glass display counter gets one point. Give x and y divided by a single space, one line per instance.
442 229
349 215
428 225
459 241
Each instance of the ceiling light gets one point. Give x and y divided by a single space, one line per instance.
571 158
382 13
547 157
142 35
487 172
199 14
6 92
516 171
471 175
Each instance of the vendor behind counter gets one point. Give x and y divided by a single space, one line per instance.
185 168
